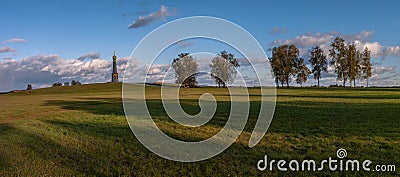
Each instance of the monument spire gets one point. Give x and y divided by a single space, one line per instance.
114 75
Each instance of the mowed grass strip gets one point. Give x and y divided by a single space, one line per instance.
82 130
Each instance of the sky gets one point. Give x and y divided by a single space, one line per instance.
47 41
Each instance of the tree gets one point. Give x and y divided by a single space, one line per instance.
302 72
353 59
29 87
283 61
337 54
223 68
277 70
186 70
366 66
57 84
318 62
66 83
73 82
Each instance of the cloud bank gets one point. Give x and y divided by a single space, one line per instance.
43 70
93 55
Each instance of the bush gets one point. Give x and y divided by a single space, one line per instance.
73 82
57 84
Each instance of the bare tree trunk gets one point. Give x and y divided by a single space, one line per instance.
367 82
318 82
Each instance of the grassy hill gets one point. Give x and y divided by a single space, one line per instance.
82 130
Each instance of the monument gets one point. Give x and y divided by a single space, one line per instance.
114 75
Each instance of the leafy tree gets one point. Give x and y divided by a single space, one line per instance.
302 72
29 87
223 68
73 82
57 84
337 54
186 70
366 66
276 69
319 63
66 83
353 59
284 62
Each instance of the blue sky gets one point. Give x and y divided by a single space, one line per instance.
48 30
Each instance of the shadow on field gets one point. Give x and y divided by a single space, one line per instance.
80 157
5 161
336 119
378 97
93 128
113 106
295 117
101 106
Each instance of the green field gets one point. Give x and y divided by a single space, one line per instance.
82 131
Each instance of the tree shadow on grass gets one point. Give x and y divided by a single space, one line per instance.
336 119
5 161
100 106
297 117
76 157
92 128
375 97
239 159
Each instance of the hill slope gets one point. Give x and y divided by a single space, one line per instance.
82 130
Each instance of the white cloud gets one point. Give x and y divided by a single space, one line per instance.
308 39
392 50
93 55
146 20
43 70
6 49
363 36
378 50
14 40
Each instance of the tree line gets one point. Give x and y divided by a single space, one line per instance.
57 84
73 82
349 63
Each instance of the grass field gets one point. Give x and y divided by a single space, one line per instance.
82 130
